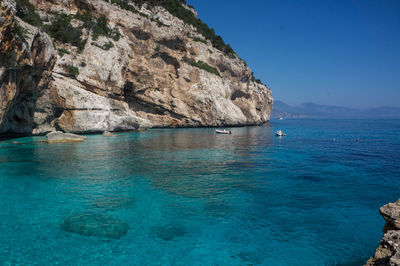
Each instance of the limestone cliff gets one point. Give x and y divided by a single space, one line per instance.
388 251
91 65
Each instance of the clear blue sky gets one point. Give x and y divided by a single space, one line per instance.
329 52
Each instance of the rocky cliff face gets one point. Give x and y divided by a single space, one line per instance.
388 251
109 65
25 72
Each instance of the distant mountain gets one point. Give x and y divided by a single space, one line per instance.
312 110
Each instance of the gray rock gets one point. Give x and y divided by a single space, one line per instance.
25 69
388 251
391 213
59 137
95 224
108 134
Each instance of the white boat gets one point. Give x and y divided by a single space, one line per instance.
280 133
224 131
280 118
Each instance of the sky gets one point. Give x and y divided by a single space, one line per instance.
336 52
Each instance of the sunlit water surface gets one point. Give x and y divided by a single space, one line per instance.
190 197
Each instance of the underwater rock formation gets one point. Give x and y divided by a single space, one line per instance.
168 232
95 224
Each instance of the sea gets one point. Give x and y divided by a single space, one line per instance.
193 197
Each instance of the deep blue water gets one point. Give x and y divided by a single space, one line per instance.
191 197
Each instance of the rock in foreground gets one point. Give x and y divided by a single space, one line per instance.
60 137
388 251
95 224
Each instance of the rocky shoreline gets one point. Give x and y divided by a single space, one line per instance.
117 68
388 251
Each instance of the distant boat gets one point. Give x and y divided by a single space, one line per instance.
224 131
280 118
280 133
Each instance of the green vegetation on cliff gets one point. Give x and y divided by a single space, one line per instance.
73 71
19 31
61 30
202 65
59 27
26 11
177 9
197 39
107 46
125 4
62 52
100 27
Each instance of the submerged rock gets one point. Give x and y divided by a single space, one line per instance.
58 136
217 208
388 251
168 232
95 224
248 258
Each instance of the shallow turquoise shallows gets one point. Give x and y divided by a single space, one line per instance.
190 197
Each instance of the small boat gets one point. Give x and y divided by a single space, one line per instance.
280 118
224 131
280 133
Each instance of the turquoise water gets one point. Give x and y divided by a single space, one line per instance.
190 197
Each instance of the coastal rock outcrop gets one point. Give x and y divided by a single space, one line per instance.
388 251
108 134
59 137
93 66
